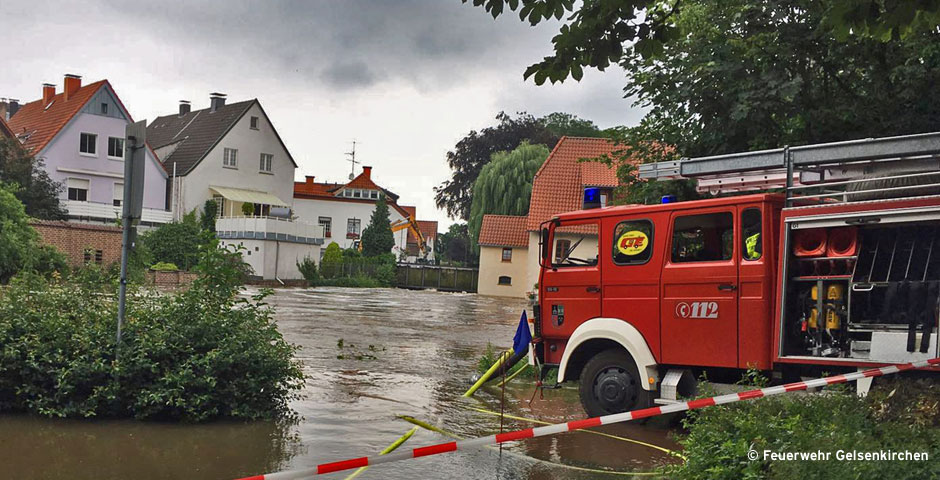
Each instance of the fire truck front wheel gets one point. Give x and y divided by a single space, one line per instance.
610 384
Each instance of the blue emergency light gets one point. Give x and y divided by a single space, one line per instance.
668 199
592 198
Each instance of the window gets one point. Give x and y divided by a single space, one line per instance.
99 256
115 147
266 160
751 241
86 255
78 189
254 123
327 224
230 158
118 194
703 238
603 200
88 144
353 227
374 195
221 202
505 280
507 254
561 246
633 242
104 108
356 193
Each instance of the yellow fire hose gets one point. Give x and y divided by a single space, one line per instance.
489 373
397 443
517 372
441 431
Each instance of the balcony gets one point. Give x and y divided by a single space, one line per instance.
109 213
269 228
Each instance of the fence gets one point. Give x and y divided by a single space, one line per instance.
447 279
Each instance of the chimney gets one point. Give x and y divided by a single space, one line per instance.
185 107
71 85
367 171
216 101
48 91
309 179
12 108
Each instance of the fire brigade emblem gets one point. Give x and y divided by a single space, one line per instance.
632 243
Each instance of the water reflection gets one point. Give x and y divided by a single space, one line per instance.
425 344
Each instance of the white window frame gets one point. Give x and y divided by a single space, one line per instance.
230 158
350 223
69 186
267 160
118 197
112 157
327 224
94 144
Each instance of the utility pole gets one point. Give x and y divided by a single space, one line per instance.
135 155
352 160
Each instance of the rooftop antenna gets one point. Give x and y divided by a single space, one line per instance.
352 160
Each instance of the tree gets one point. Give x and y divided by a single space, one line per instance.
210 211
565 124
176 242
505 184
377 237
34 188
600 33
453 246
17 237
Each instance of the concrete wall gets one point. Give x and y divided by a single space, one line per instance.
272 259
63 161
309 210
492 267
74 239
250 145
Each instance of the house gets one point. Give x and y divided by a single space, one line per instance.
344 210
232 154
509 244
78 134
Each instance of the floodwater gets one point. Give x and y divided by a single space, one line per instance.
426 345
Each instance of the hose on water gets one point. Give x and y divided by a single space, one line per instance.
397 443
441 431
489 373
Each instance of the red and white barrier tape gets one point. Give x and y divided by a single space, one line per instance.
588 423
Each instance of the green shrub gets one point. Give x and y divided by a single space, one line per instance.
164 267
719 438
248 209
197 355
177 242
308 268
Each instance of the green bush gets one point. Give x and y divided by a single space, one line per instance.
308 268
164 267
719 438
197 355
177 242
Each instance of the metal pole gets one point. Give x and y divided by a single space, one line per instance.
135 135
122 292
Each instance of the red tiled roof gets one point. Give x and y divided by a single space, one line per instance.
559 184
503 231
5 129
43 124
327 191
428 229
364 181
315 189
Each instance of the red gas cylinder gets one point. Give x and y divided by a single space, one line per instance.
810 243
843 242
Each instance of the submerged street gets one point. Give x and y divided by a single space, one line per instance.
425 346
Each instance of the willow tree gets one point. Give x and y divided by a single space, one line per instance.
505 184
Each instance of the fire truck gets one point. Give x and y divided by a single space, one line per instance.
834 266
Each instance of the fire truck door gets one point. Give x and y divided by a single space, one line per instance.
700 290
572 293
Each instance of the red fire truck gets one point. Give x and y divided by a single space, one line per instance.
837 271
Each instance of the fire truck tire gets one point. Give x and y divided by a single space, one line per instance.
610 384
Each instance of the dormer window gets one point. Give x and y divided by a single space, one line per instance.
374 195
253 122
104 108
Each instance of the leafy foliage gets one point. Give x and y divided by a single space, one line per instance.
248 209
197 355
377 237
308 268
34 188
164 267
599 33
210 211
454 245
19 242
719 438
177 242
505 184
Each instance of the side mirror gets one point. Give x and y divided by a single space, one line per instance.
544 245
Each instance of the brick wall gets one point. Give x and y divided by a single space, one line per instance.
170 280
82 242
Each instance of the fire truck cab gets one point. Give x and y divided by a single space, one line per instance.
840 270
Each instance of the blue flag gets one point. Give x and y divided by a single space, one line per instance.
520 343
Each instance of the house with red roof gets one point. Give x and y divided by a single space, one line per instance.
78 134
509 244
344 210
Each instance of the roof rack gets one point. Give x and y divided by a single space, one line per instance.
855 170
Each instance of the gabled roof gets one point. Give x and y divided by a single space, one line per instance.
5 129
559 184
39 124
428 229
196 133
503 231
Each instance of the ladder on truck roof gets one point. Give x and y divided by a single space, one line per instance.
826 173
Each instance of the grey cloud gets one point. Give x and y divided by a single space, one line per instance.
349 75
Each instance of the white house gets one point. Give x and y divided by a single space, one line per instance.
78 134
344 210
233 154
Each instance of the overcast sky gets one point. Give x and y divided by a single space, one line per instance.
405 78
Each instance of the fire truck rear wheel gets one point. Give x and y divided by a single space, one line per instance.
610 384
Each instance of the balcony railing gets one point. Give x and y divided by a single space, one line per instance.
269 228
106 212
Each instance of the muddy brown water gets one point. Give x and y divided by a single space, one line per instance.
426 346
